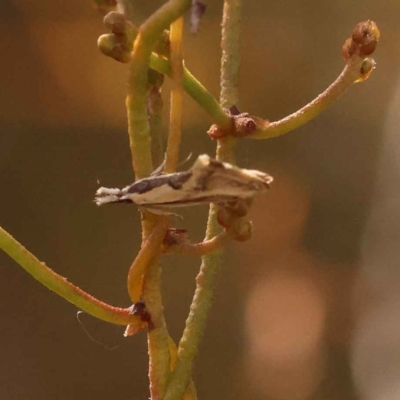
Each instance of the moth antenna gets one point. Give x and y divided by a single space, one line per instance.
159 170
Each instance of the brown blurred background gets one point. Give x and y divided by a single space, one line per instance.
291 304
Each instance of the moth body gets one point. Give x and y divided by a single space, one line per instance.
208 181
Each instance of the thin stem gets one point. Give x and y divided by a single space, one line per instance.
65 289
211 263
140 143
157 337
196 91
350 74
190 393
139 130
230 60
202 248
151 249
174 138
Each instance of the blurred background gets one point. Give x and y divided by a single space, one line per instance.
307 309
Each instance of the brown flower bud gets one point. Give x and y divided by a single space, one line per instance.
244 125
243 230
363 41
215 132
225 217
175 236
111 46
115 22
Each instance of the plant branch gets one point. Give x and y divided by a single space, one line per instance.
190 393
196 91
202 248
174 137
140 143
211 263
65 289
157 337
230 60
350 74
139 130
151 249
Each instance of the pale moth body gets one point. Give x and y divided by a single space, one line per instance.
208 181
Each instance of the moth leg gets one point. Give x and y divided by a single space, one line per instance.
159 211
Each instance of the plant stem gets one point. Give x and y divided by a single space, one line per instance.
196 91
157 337
211 263
139 129
151 249
140 143
62 287
202 248
230 60
350 74
174 138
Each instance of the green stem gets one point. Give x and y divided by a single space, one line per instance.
230 60
140 143
62 287
139 129
195 90
350 74
211 263
158 336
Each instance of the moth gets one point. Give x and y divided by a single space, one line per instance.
208 181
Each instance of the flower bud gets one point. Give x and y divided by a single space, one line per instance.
115 22
243 230
111 46
363 40
366 68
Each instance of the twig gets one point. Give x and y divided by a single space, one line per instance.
151 249
65 289
196 91
139 130
174 137
205 280
202 248
350 74
140 143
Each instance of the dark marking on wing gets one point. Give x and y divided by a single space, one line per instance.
216 164
119 201
175 181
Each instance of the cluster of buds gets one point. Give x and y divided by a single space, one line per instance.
232 217
362 43
118 43
363 40
242 125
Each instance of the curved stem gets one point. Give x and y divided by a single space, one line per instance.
65 289
151 249
211 263
140 143
196 91
175 133
190 393
202 248
139 130
350 74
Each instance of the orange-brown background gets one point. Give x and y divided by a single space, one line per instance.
287 302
